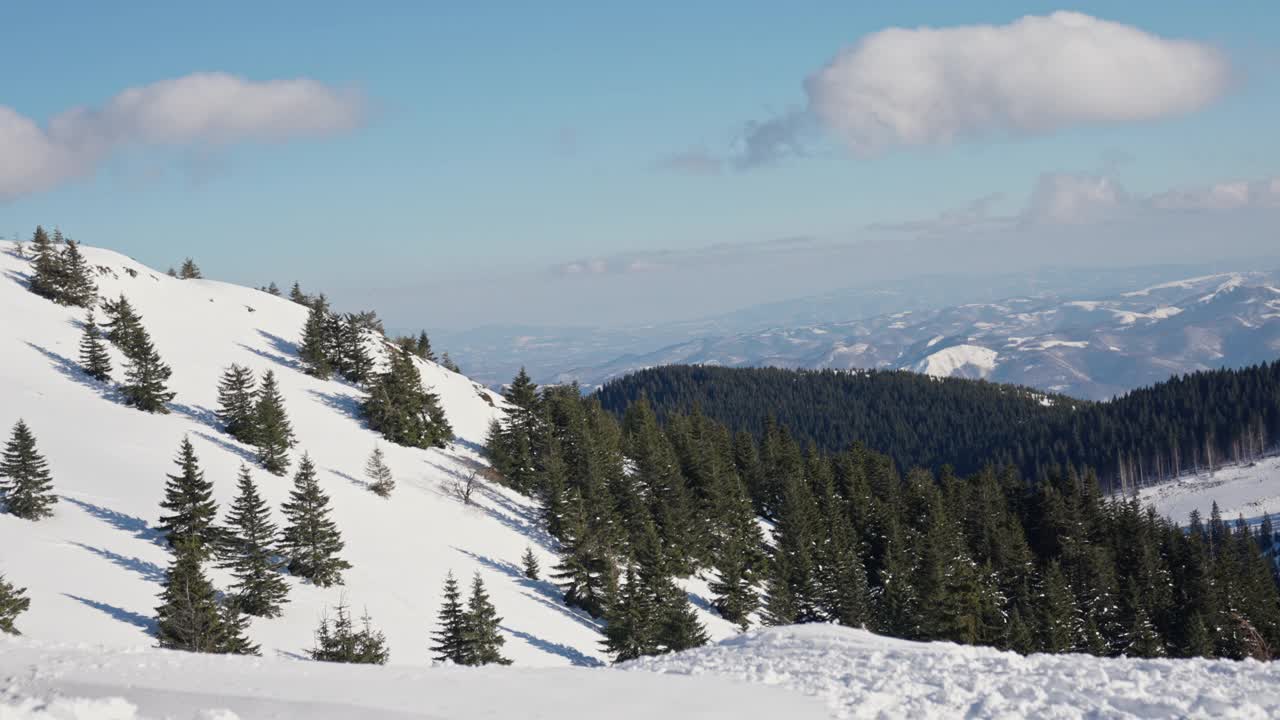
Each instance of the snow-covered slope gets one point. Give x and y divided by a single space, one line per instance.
860 675
93 570
1250 491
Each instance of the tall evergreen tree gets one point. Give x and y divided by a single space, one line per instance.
146 376
357 365
586 573
451 636
381 482
482 643
342 642
188 498
13 602
423 347
296 295
46 265
735 595
629 631
316 339
236 404
189 270
123 323
94 359
311 539
272 289
27 486
190 617
272 432
251 553
404 411
76 286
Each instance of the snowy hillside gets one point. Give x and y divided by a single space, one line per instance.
93 570
1250 491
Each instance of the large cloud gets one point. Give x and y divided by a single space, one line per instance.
197 109
1034 75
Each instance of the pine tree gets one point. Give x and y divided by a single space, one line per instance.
235 623
272 289
402 410
188 498
1059 616
13 602
629 631
680 628
482 643
735 596
189 271
272 432
27 488
190 617
76 286
123 324
586 573
357 365
341 642
250 540
381 481
46 265
235 403
145 376
316 340
529 564
423 347
450 639
19 249
447 363
311 539
94 359
296 295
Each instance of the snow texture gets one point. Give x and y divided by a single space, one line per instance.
1251 491
959 361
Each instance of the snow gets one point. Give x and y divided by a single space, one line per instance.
1180 284
953 360
1047 344
93 570
861 675
84 682
934 341
1251 490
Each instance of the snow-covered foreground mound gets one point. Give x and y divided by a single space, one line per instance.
39 682
93 570
861 675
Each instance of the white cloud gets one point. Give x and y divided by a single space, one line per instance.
1232 195
1034 75
197 109
1067 198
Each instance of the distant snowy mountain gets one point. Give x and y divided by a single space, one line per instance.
1085 348
93 570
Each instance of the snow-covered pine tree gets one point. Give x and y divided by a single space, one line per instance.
272 432
529 564
236 403
145 376
311 539
13 602
314 350
188 498
189 270
404 411
450 637
25 483
342 642
1059 615
482 642
381 481
251 554
94 359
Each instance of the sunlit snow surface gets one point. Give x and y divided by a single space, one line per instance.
1251 491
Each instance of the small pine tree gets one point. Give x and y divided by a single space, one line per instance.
482 643
357 365
448 364
341 642
296 295
236 409
76 286
380 480
272 432
680 628
27 488
423 347
46 265
189 270
311 539
450 638
123 323
19 249
316 340
189 617
94 359
529 562
235 623
145 376
272 289
735 596
404 411
188 498
13 602
250 552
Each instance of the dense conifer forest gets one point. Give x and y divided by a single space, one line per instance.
1189 422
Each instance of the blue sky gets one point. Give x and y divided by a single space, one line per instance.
515 149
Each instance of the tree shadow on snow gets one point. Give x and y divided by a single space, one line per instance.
543 591
21 278
200 414
124 616
149 571
523 520
354 481
571 654
244 453
71 370
344 404
134 525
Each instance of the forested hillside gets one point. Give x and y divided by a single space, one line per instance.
1188 422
